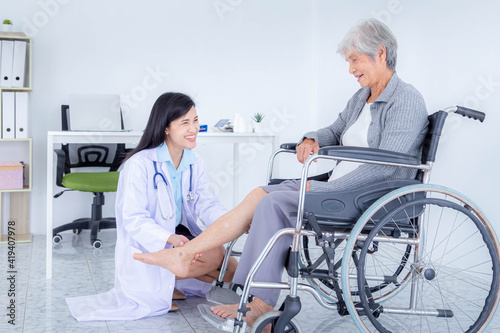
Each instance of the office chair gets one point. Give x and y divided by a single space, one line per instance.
83 156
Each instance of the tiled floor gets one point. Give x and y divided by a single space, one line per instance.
80 270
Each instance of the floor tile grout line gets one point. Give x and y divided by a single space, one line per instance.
187 320
88 264
27 285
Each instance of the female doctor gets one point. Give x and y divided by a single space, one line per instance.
162 190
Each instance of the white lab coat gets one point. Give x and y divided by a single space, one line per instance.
143 290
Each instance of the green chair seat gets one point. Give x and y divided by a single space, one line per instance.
97 182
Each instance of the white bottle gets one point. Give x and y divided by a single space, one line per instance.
236 124
243 125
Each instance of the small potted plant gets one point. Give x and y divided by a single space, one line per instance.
257 118
7 25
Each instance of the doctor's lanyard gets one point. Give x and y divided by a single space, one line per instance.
190 195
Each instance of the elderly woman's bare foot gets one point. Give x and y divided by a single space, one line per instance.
257 308
175 260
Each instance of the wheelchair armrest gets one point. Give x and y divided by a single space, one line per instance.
61 161
369 154
289 146
321 177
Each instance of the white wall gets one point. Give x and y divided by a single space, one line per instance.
277 57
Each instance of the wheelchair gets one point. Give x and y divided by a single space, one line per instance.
399 255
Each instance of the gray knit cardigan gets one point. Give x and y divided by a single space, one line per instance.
399 123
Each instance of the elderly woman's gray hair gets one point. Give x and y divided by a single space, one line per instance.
367 37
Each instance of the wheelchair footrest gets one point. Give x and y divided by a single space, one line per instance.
309 273
219 295
375 308
226 325
443 313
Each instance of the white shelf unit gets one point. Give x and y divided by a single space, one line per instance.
18 150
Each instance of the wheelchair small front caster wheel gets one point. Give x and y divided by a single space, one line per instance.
272 318
57 238
77 231
97 244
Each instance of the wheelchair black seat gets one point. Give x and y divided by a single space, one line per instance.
342 209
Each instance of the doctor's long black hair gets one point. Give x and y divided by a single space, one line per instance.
167 108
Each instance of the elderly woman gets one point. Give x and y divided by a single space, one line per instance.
385 113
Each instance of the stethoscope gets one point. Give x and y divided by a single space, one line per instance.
161 192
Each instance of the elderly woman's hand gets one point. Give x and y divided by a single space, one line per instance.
305 149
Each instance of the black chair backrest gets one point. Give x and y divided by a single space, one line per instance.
94 155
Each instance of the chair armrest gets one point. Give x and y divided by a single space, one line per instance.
289 146
369 154
61 161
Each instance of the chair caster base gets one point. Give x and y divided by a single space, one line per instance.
97 244
57 238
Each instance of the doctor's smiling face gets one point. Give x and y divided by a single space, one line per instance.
181 133
173 113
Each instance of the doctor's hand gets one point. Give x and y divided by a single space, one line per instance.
177 240
305 149
180 241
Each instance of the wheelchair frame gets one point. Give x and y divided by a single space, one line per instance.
353 237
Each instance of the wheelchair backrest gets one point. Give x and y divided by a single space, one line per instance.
429 148
431 141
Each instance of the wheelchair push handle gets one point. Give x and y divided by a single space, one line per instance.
476 115
466 112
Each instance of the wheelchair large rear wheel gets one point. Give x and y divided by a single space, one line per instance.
312 256
454 269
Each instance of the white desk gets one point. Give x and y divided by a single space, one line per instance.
63 137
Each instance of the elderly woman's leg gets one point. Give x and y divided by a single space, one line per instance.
273 213
204 268
214 275
227 228
207 268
